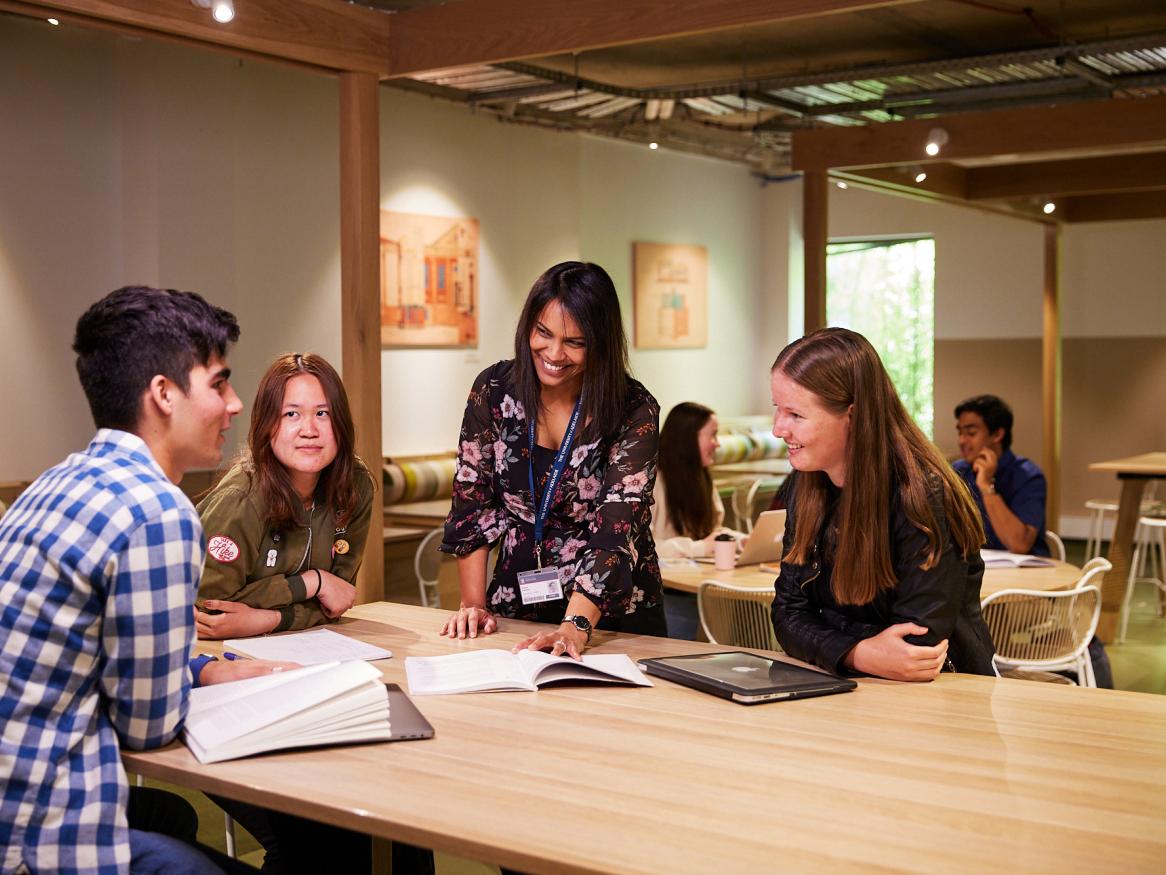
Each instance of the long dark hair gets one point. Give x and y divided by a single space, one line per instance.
588 295
337 483
688 485
884 448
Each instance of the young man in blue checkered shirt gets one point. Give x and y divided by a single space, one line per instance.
99 565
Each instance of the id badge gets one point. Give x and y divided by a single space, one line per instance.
538 586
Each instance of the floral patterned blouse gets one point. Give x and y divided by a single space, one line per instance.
599 527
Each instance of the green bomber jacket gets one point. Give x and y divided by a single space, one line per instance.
249 561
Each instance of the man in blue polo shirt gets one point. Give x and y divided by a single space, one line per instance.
1010 490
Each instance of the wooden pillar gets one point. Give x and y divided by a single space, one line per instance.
815 211
1051 376
360 298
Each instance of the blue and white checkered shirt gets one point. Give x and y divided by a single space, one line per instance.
99 565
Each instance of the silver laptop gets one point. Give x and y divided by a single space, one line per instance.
765 542
746 678
405 722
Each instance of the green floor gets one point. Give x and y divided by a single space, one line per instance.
1139 665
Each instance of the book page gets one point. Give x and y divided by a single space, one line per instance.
473 671
308 648
1004 559
605 668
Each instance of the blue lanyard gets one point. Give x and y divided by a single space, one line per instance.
543 508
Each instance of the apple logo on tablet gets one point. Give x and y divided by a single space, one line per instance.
745 669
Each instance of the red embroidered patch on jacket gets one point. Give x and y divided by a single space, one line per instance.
223 548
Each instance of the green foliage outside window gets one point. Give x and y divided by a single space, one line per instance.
885 290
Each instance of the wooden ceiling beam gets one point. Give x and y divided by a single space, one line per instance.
321 33
1094 125
491 31
1104 175
1113 207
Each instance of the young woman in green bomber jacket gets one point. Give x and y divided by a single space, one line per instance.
286 527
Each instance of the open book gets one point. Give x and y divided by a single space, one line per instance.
1004 559
489 670
333 703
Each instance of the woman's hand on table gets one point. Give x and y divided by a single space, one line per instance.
222 671
336 594
565 640
467 622
889 655
234 620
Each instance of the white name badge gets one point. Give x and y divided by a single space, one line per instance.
540 586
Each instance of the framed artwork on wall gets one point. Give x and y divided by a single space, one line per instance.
429 281
670 295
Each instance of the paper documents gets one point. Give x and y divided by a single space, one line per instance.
313 647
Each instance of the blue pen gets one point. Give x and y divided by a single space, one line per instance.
233 656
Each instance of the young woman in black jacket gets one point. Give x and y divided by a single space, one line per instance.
881 569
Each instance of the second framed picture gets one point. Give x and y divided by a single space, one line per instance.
670 295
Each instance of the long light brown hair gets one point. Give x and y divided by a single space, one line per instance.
688 485
337 483
885 450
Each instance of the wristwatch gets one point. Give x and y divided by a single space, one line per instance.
579 622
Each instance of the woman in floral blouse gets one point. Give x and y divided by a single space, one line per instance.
569 383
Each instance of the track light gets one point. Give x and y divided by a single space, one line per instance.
936 140
842 185
221 10
53 21
920 175
1048 207
653 145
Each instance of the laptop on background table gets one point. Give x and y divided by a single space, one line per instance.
764 543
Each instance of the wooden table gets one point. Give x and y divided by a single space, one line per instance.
429 514
1061 576
1133 473
965 774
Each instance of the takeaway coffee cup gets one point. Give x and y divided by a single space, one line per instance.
724 552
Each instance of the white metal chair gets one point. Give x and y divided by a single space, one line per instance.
426 562
1148 565
1099 507
736 615
1056 545
1039 631
756 499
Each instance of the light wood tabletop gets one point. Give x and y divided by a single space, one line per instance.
1133 472
688 578
965 774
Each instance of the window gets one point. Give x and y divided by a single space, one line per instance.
885 290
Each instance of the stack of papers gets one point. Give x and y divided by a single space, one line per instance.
1004 559
307 648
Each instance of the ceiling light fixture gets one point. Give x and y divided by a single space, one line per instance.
221 10
54 22
920 175
842 185
936 140
1049 207
653 145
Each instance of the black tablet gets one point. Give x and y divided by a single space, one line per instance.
746 677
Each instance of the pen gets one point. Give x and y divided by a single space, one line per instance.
233 656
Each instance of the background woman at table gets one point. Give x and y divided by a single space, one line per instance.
687 511
565 409
286 527
881 568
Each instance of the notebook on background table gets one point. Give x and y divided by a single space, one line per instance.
746 678
764 543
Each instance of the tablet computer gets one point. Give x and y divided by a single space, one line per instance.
746 677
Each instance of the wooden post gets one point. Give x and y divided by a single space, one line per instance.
815 212
360 298
1051 376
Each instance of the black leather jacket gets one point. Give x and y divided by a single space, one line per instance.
945 599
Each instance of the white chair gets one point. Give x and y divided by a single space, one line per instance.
1036 631
1146 566
426 562
737 616
1099 507
756 499
1056 545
